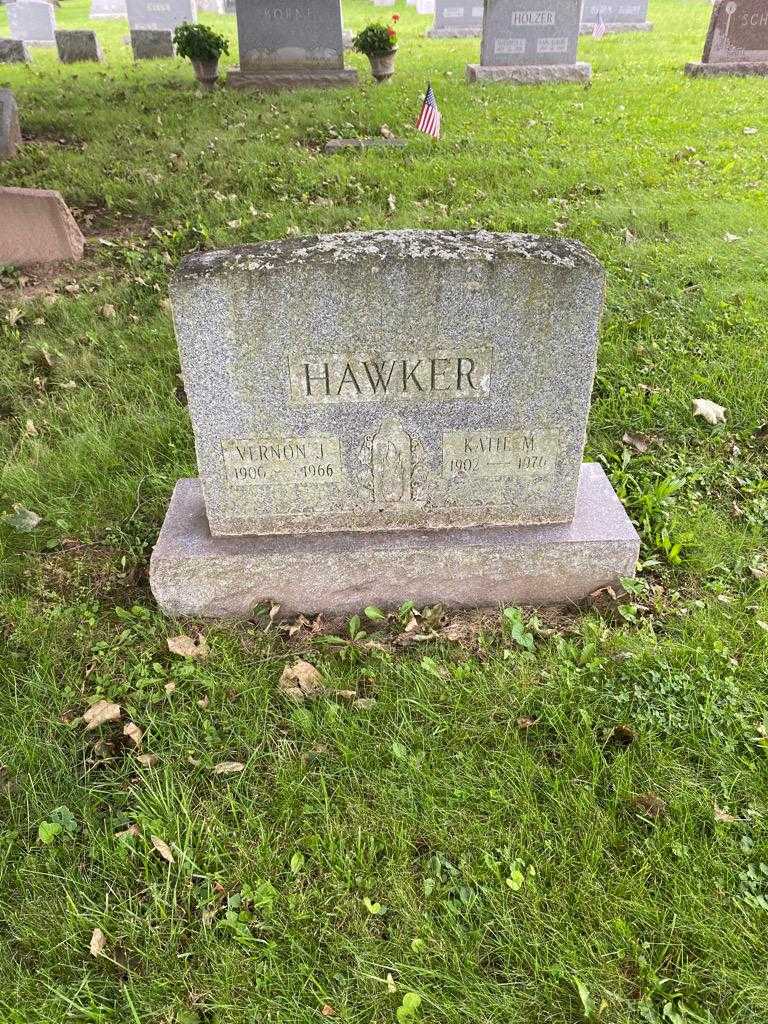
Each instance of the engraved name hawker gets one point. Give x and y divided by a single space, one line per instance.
375 377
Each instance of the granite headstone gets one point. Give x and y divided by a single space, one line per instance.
347 457
151 43
10 133
32 21
617 15
36 226
13 51
77 45
529 42
294 46
737 40
456 19
160 15
105 9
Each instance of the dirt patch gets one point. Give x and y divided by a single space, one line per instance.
79 571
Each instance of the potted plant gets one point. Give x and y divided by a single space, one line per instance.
203 46
379 43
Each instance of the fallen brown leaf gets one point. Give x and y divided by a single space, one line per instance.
99 713
724 816
524 722
639 442
97 943
301 682
649 805
328 1010
163 849
132 830
186 647
228 767
133 733
148 760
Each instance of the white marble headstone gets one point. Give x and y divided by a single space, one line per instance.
32 21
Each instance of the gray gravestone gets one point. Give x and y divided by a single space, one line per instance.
737 40
618 16
160 15
151 44
32 21
294 46
401 454
457 18
13 51
76 45
530 41
104 9
211 6
10 133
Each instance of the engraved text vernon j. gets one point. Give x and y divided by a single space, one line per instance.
371 377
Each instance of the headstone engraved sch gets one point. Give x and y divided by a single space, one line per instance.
530 42
355 449
618 16
290 46
108 9
737 40
457 18
160 15
32 21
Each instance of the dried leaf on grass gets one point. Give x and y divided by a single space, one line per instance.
649 805
709 411
301 682
163 849
186 647
148 760
99 713
524 722
133 733
228 767
97 943
724 816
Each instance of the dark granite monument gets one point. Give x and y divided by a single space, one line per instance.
737 40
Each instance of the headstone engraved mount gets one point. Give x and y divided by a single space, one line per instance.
454 20
290 47
618 16
387 416
737 40
530 42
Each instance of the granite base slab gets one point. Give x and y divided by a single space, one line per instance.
614 27
195 574
740 69
530 74
272 81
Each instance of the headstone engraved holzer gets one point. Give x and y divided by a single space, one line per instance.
411 389
529 42
737 40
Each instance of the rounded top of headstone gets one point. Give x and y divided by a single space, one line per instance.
379 247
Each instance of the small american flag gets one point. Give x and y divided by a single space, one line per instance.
429 119
599 30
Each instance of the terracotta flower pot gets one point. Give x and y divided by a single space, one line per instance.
383 65
206 72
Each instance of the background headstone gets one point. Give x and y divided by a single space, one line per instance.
211 6
37 227
103 9
618 16
457 18
13 51
32 21
160 15
530 41
289 47
76 45
425 6
151 44
737 40
10 133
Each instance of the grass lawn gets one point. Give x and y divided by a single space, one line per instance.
530 819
